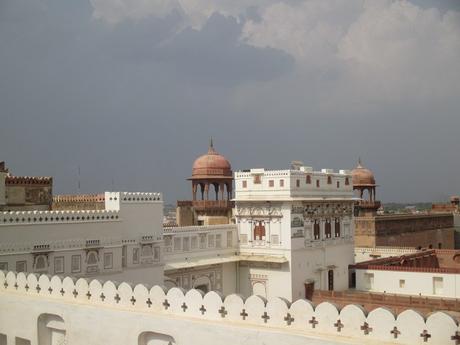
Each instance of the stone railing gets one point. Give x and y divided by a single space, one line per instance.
199 228
302 317
207 204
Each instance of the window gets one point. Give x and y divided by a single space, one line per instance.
402 283
218 241
244 239
156 253
338 184
147 250
194 242
40 263
271 183
21 266
316 230
245 184
76 263
259 231
186 244
297 183
308 179
211 241
177 243
135 255
229 239
92 258
202 241
329 180
347 181
369 281
317 183
281 183
59 264
275 240
168 241
257 179
327 229
3 266
437 285
337 228
108 260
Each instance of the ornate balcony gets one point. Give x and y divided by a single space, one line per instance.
201 205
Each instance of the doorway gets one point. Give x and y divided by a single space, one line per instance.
309 290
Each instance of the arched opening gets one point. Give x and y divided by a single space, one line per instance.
154 338
316 230
259 288
51 330
202 283
327 229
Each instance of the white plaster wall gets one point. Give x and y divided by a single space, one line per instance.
2 188
229 278
415 282
92 313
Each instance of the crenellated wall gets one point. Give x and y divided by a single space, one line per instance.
88 312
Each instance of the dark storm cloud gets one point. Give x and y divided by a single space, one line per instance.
135 102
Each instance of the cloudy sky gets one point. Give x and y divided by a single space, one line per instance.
131 90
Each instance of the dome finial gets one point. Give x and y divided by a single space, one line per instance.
359 162
211 145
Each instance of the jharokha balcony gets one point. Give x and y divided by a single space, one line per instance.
369 204
207 204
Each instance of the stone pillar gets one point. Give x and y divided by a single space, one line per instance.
206 190
222 189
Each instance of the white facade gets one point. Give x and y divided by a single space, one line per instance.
393 281
122 242
300 222
81 312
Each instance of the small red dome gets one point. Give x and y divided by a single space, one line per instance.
211 164
362 176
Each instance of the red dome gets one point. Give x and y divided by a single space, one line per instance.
362 176
211 164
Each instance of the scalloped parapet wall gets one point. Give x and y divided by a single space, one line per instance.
49 217
140 196
300 317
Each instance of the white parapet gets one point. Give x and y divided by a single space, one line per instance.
131 311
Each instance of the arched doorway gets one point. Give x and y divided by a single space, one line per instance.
51 330
154 338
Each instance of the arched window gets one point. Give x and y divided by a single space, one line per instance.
338 184
308 179
347 181
316 230
92 259
337 228
327 229
259 231
40 262
329 180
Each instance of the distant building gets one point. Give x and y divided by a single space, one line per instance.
373 230
434 273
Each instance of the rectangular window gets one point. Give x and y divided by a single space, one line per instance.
257 179
76 263
245 184
108 260
156 253
218 241
438 286
317 183
135 255
402 283
3 266
202 241
281 183
59 264
297 183
275 239
21 266
229 239
369 281
211 241
338 184
271 183
186 243
177 243
244 239
194 242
